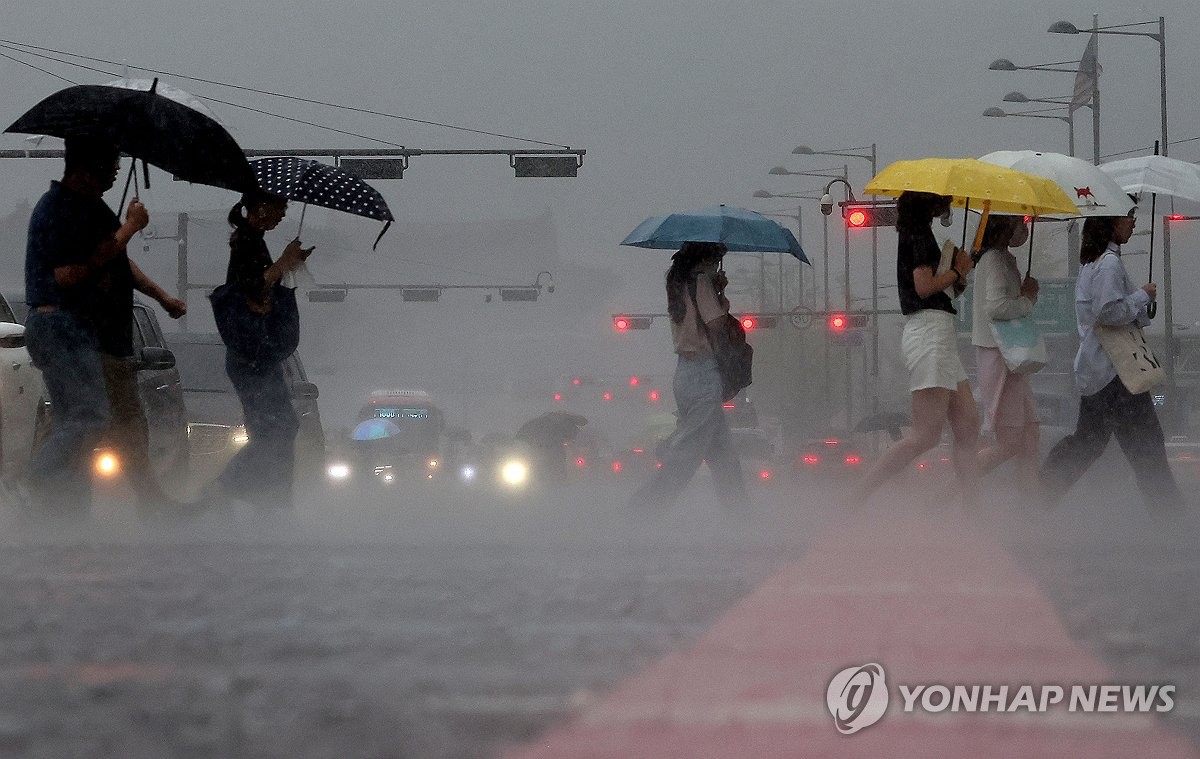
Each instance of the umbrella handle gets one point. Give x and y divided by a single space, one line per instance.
303 209
125 192
1152 308
1029 263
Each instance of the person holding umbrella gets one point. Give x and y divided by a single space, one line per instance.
79 285
1104 296
1007 397
695 298
940 391
259 323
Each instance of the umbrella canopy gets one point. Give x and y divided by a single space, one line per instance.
318 183
145 125
1156 174
166 90
971 181
1093 191
736 228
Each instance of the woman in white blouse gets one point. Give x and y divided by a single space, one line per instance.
1008 409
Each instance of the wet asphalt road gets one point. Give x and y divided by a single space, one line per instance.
455 626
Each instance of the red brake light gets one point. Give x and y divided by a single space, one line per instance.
765 474
558 396
653 396
607 396
577 382
853 459
580 463
832 442
634 381
811 459
616 466
728 406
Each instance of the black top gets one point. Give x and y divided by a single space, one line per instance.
65 229
248 260
918 248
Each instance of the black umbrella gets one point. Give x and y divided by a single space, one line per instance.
551 428
145 125
322 185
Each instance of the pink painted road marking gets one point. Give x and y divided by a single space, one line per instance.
929 598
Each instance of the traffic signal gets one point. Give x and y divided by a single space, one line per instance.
838 322
860 215
625 323
755 321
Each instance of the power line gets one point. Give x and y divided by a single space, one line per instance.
36 68
1147 148
288 97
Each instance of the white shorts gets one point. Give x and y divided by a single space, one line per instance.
930 349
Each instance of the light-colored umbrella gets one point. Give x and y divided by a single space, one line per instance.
969 180
1157 175
1094 192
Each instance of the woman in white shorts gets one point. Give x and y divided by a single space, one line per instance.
940 391
1005 397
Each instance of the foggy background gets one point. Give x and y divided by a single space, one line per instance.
679 105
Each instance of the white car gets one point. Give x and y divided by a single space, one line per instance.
23 405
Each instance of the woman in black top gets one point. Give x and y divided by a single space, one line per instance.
940 391
261 472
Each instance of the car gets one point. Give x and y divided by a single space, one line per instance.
832 455
24 408
398 439
215 427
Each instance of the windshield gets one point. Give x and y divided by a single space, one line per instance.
202 367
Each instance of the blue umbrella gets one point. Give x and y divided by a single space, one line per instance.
736 228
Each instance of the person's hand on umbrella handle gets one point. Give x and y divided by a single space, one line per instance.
963 262
1151 290
137 215
294 255
1030 288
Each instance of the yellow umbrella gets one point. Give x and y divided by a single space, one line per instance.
969 181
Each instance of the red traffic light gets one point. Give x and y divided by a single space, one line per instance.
749 323
838 322
634 381
624 323
857 218
621 323
653 396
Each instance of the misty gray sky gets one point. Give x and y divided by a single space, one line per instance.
679 104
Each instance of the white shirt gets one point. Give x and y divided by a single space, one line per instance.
1104 295
997 295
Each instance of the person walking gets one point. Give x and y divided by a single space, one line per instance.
1104 296
1001 294
940 391
696 305
74 242
261 472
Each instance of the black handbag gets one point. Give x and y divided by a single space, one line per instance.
258 339
735 357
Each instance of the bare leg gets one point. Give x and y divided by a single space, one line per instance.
964 423
930 408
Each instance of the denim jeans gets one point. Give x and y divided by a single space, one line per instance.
67 354
701 435
261 472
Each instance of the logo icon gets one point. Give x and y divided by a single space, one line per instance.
857 697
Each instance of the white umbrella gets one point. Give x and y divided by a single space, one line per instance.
1157 175
1093 192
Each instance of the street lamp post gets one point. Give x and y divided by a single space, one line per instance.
1065 27
799 236
873 157
1018 97
827 209
1042 113
1004 64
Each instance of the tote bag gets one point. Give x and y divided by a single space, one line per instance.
259 339
735 357
1136 365
1020 344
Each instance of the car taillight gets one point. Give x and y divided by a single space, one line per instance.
832 442
616 467
811 459
764 474
853 459
580 463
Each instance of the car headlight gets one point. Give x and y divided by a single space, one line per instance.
338 471
467 473
514 472
106 464
239 436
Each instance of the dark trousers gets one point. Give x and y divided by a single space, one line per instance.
66 352
1114 411
701 435
261 472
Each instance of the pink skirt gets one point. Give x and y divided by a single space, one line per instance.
1006 398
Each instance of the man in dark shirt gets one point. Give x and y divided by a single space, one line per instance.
79 286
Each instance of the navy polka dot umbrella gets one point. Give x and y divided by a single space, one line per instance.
318 183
